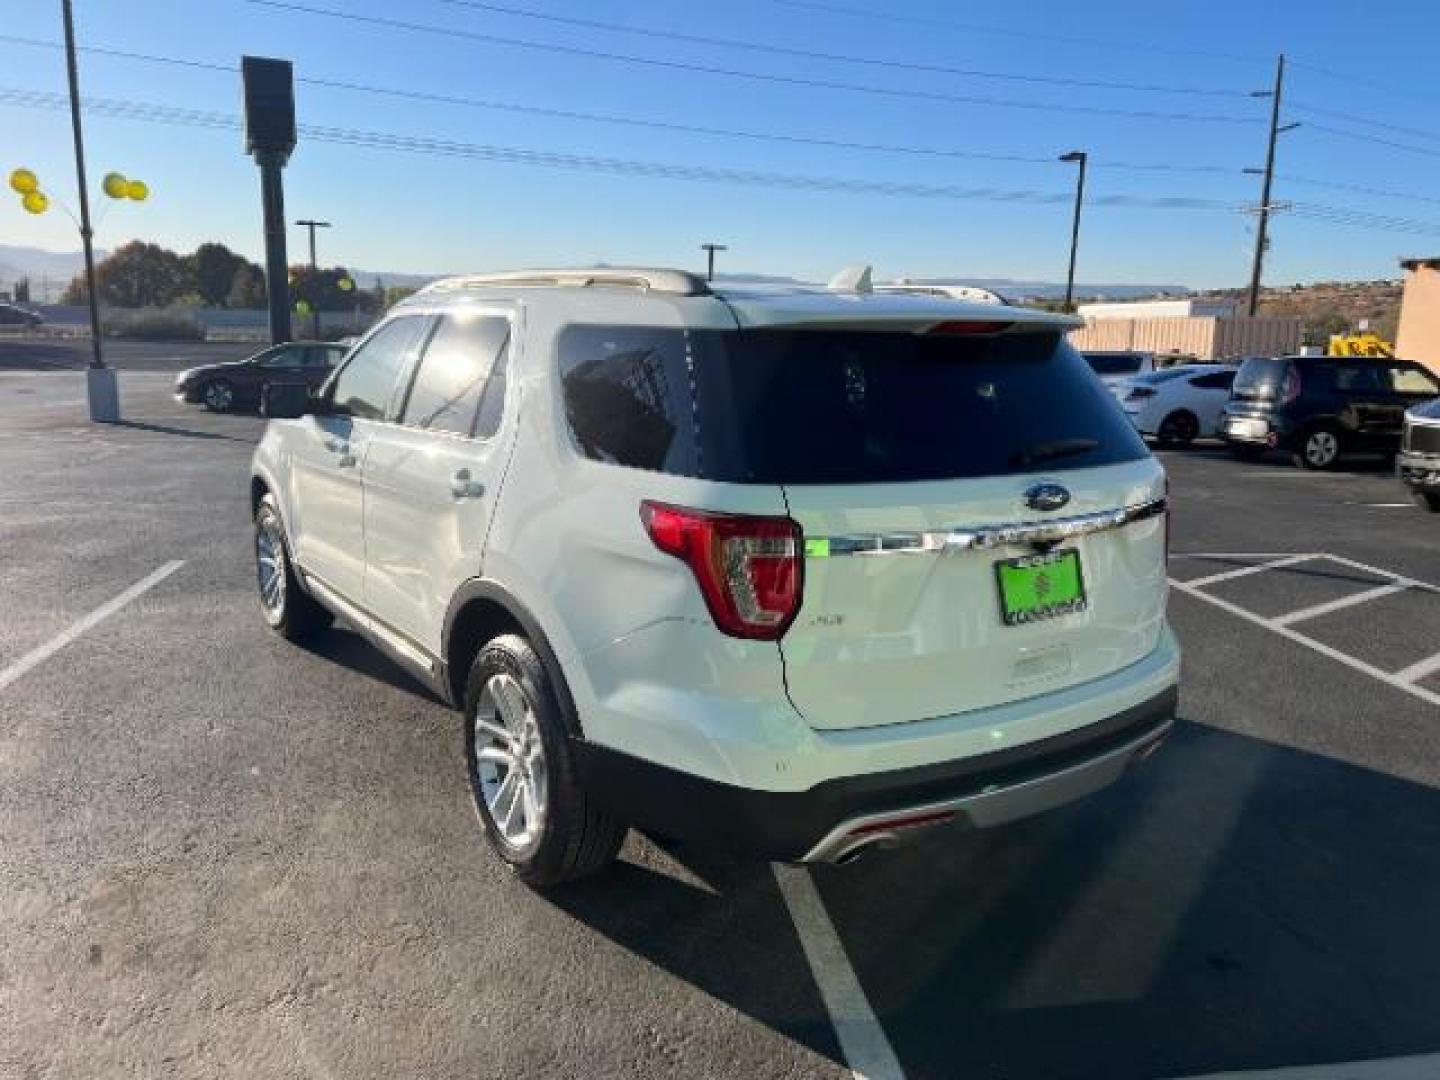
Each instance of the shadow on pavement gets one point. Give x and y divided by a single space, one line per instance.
190 433
343 646
1233 905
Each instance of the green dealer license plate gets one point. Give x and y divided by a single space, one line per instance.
1040 587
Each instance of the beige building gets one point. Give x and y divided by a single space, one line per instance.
1419 336
1203 337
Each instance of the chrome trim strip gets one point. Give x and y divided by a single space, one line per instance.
998 805
392 638
984 537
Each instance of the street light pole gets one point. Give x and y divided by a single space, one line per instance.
101 391
710 250
1081 158
315 314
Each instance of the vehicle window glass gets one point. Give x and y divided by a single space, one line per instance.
1113 363
1260 378
283 356
453 371
317 356
492 399
365 384
1405 379
1361 378
627 395
1216 380
837 406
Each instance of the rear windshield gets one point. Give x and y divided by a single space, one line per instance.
1260 378
1113 363
836 407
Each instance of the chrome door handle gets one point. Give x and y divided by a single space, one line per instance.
463 487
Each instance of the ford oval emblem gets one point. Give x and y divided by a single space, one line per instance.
1046 497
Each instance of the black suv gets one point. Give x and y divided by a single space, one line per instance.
1320 407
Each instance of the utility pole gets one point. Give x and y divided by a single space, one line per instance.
1081 158
1263 222
101 391
314 270
710 250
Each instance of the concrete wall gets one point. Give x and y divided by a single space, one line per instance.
1201 337
1419 336
1158 309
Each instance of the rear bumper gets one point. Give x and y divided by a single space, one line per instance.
824 822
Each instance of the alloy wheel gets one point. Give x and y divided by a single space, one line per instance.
219 396
510 761
1321 449
270 567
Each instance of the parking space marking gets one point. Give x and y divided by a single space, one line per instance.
1388 677
86 622
1421 669
1244 571
862 1040
1377 593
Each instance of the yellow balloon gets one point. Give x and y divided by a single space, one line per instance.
138 190
345 284
302 306
115 185
35 201
23 182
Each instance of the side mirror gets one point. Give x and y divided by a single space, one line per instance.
286 401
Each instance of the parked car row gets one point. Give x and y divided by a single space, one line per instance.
240 384
1316 408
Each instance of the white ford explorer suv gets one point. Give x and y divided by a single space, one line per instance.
791 571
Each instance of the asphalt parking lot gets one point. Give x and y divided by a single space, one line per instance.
224 855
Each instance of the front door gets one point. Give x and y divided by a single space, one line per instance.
327 530
432 479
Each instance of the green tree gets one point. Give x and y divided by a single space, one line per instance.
247 287
136 275
213 268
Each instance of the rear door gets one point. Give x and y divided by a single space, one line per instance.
1206 397
904 457
432 479
1370 409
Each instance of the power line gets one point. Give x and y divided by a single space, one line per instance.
164 114
1352 79
1369 121
740 73
1028 35
1359 189
1427 151
847 58
1046 159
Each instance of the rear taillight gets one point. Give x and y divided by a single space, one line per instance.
749 568
1290 392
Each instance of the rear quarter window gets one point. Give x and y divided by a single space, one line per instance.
1113 363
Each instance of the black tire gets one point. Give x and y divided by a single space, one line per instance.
1319 449
1181 427
295 615
1246 451
575 838
218 395
1426 500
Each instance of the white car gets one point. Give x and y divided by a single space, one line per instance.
1178 404
792 571
1115 368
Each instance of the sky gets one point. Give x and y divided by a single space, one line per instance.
420 211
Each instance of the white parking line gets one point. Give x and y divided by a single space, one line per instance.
79 626
1387 677
1420 669
862 1040
1400 1068
1377 593
1245 571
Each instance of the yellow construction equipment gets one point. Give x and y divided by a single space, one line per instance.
1371 345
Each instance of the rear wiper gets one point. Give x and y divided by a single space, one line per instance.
1052 449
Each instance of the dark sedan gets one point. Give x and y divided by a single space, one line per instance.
239 383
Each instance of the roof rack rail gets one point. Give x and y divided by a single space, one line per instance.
973 293
678 282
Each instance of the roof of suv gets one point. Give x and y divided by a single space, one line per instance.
752 304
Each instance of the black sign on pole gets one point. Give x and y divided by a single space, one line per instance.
269 139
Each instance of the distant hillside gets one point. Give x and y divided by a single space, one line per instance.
1330 307
1012 289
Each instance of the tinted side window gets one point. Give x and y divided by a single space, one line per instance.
1114 363
364 385
627 395
1363 378
1216 380
454 371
